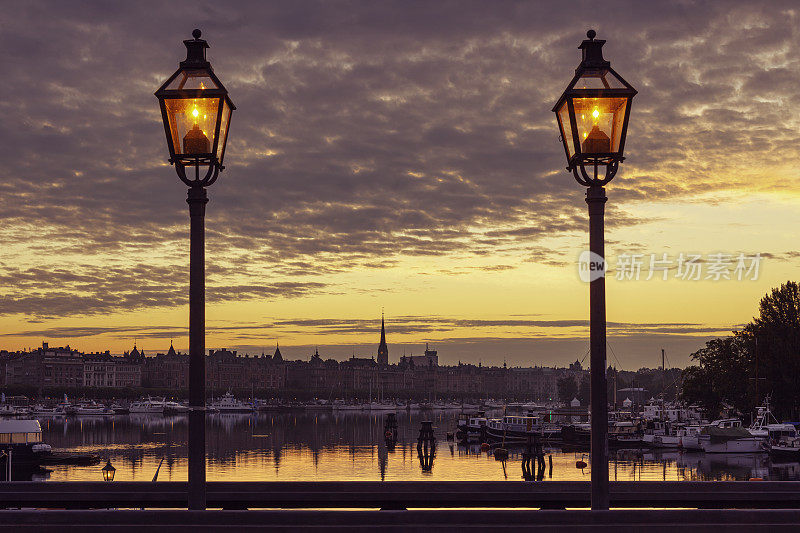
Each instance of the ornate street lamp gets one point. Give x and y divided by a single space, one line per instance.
196 111
592 116
108 471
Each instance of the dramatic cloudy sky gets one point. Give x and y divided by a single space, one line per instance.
392 155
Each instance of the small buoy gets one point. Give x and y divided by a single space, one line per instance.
485 447
756 479
580 464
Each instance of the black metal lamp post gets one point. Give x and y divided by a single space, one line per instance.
196 111
108 471
593 117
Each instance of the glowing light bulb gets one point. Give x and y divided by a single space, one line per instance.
195 113
595 113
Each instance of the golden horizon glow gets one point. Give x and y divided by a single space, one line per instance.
420 173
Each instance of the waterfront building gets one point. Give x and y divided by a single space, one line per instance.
226 370
165 371
430 359
420 377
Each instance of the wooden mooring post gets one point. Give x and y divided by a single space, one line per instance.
426 446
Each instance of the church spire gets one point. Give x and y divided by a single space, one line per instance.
383 349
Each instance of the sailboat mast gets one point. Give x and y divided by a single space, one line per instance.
663 383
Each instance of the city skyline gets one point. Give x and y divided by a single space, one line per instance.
399 158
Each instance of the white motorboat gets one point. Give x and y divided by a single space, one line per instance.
728 436
93 409
148 406
171 407
683 437
14 406
40 410
377 406
767 427
672 435
7 409
229 404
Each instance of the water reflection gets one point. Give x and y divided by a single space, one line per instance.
327 446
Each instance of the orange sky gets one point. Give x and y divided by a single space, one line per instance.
388 158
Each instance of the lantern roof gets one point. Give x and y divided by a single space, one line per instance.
194 78
594 76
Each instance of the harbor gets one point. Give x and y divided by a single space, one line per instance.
330 445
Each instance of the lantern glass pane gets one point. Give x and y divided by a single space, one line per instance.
223 129
192 123
566 128
192 79
600 123
598 79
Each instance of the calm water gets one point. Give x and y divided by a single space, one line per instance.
306 446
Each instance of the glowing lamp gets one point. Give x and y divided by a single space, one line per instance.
196 111
109 471
592 115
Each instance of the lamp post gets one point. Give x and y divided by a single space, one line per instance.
196 111
592 116
108 471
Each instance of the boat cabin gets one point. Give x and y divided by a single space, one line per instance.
20 432
727 423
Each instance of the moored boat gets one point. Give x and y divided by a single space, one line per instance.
472 427
93 409
171 407
576 433
22 439
377 406
119 409
626 434
229 404
513 428
786 448
728 436
41 410
148 406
